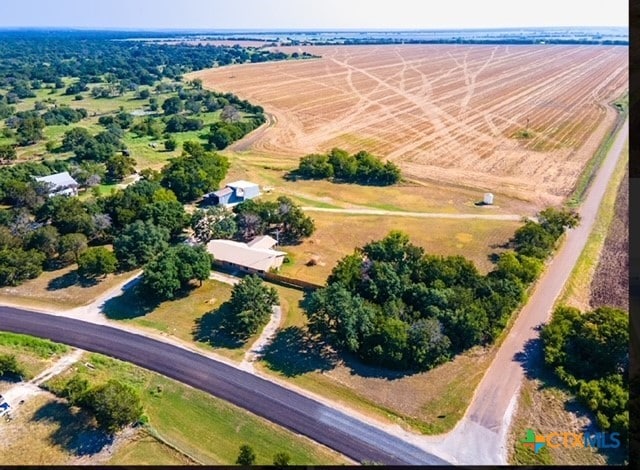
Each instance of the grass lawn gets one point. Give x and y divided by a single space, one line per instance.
147 450
195 317
34 354
199 425
337 235
577 291
60 289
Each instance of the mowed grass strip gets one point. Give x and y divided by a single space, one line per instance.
199 425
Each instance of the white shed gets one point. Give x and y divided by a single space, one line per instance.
488 199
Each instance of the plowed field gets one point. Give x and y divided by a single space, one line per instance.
452 114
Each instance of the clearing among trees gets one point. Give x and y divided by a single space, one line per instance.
521 120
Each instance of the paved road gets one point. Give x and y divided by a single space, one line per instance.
487 420
351 437
426 215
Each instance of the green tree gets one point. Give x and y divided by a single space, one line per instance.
119 167
165 275
247 456
172 105
44 239
9 366
96 262
281 459
168 214
29 130
17 265
189 176
315 166
251 306
139 243
170 144
8 152
340 317
75 391
555 221
115 405
71 246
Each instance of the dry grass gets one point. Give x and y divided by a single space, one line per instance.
46 431
444 113
194 317
545 407
429 402
408 195
337 235
59 289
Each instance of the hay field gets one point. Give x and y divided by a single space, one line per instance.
520 120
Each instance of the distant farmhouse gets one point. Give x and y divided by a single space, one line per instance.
233 193
257 256
60 184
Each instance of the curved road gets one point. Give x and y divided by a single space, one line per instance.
330 427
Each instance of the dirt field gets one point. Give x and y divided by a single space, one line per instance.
610 284
452 114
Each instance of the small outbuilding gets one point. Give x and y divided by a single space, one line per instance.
60 184
488 199
234 193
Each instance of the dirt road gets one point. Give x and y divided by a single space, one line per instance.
485 425
426 215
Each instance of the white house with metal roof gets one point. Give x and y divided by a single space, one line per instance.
60 184
251 257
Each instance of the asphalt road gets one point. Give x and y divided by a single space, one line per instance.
489 413
351 437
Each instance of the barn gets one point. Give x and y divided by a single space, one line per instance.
233 193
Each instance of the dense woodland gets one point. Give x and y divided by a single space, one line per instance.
126 228
393 305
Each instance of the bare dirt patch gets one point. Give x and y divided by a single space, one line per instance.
610 284
443 112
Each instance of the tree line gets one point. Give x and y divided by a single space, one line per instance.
339 166
392 305
29 60
589 352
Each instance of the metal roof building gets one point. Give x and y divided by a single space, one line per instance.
60 184
245 257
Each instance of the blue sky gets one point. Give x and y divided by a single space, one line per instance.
307 14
